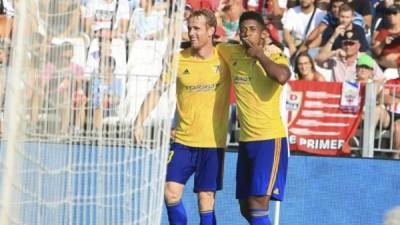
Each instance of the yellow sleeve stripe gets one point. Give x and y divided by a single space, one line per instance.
275 166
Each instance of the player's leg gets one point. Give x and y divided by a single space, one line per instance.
267 173
208 180
243 180
173 200
206 207
258 210
244 209
179 169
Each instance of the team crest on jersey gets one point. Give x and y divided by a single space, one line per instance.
217 68
293 104
186 72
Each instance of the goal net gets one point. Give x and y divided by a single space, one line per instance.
76 78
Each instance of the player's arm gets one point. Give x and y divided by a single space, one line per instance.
278 72
149 103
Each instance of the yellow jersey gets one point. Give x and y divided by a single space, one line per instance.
202 91
258 96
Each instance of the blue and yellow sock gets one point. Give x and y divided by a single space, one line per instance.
176 214
259 217
207 218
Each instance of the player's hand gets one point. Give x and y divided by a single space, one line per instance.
173 134
137 134
252 50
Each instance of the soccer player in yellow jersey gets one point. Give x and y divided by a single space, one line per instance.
200 138
258 81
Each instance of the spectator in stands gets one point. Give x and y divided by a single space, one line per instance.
62 18
380 19
113 14
146 22
343 60
364 8
106 45
36 78
7 22
330 19
392 102
73 82
228 14
364 69
107 92
36 22
364 74
133 4
323 4
272 41
272 9
386 44
298 22
305 68
204 4
333 35
62 78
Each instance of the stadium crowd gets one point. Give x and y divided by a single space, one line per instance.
89 49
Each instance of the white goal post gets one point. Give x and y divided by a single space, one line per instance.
66 153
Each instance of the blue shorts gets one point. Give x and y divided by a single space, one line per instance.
206 163
261 169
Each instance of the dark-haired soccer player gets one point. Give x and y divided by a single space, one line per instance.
258 81
200 137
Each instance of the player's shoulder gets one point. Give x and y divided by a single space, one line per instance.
227 50
228 47
185 53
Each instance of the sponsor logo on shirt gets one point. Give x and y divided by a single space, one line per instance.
202 87
239 79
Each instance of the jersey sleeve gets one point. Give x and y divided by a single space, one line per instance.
223 51
279 58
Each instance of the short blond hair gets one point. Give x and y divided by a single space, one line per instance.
211 20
